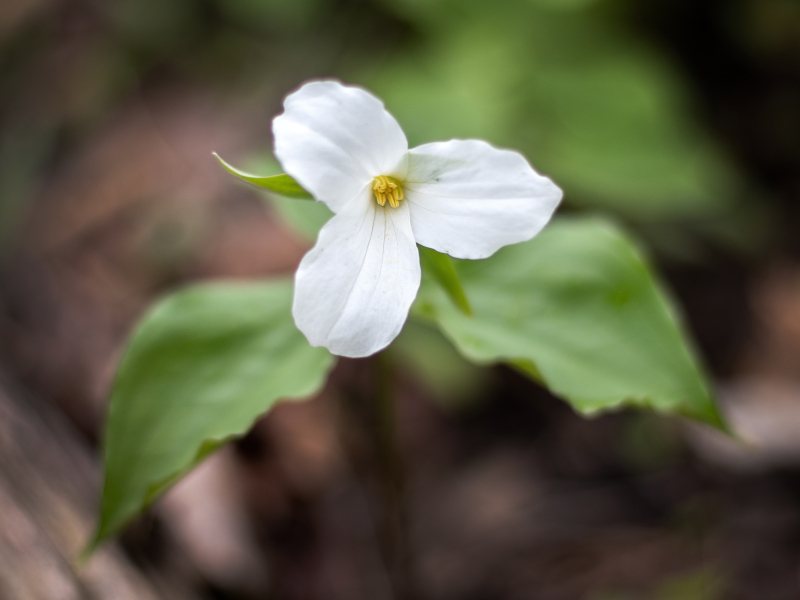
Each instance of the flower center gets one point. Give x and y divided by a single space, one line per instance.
387 188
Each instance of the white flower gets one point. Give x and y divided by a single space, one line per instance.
354 288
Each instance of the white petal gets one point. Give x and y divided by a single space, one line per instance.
333 139
354 288
468 199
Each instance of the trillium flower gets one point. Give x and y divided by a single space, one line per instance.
465 198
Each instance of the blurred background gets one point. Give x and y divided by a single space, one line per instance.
679 118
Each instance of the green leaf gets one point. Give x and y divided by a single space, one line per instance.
440 267
284 185
201 367
577 309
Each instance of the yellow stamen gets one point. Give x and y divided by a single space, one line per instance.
387 188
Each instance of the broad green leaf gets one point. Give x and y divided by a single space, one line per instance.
200 368
577 309
283 185
440 266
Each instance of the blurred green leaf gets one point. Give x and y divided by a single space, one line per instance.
600 111
440 267
566 5
200 368
283 185
453 382
306 218
623 140
578 309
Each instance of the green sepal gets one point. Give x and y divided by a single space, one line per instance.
283 185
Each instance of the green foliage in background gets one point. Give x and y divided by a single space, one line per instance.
450 380
571 83
589 104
